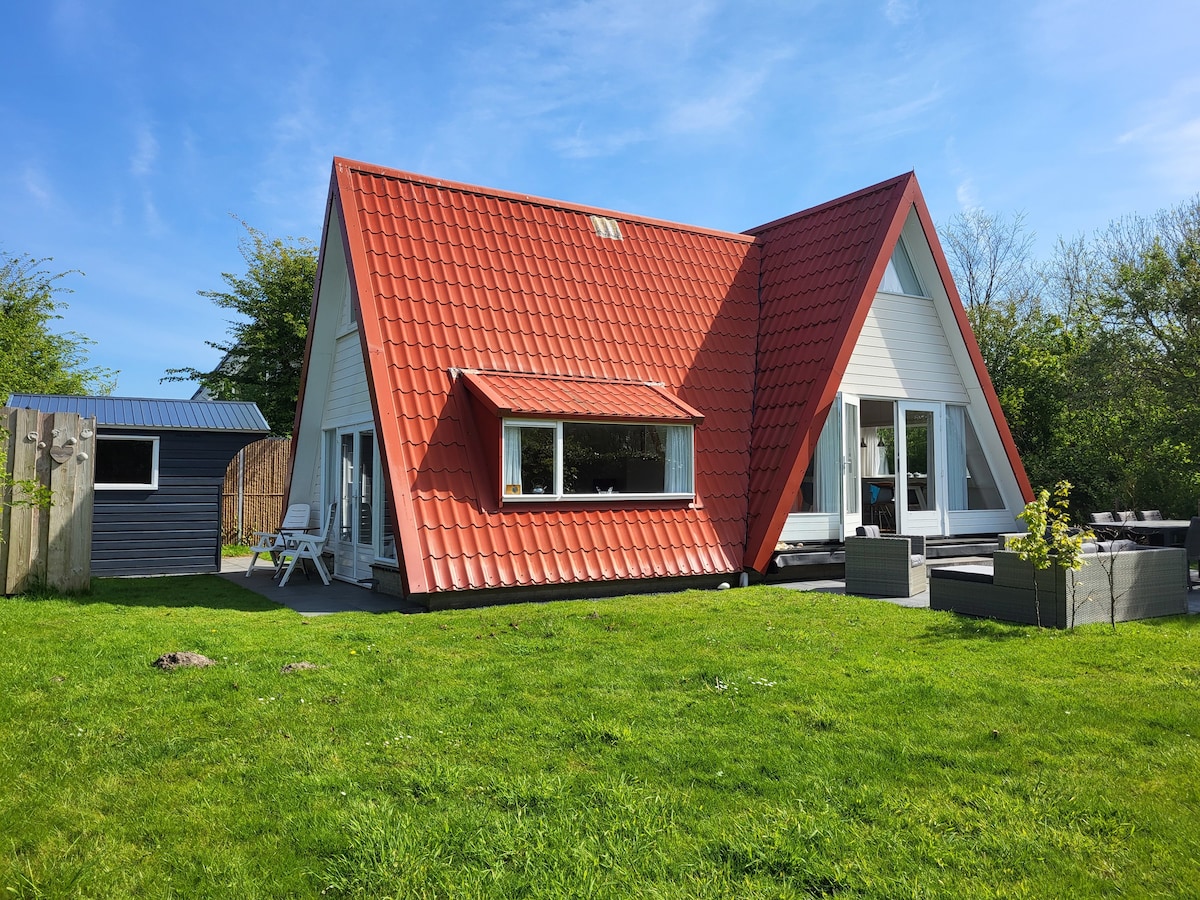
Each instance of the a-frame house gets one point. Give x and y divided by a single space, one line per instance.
513 396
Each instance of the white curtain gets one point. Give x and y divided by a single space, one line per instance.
679 460
512 459
871 460
956 452
827 466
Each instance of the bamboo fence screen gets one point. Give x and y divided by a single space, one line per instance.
252 498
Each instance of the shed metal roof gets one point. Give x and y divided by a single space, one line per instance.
142 412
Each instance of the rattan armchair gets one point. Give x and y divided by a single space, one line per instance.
888 566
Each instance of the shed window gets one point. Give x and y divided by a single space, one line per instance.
563 459
126 462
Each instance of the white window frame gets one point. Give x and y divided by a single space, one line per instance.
557 494
152 485
892 274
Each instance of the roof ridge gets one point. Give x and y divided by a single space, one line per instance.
534 200
898 181
120 397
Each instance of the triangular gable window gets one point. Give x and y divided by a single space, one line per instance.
901 277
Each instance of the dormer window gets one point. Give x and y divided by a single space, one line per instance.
900 276
565 438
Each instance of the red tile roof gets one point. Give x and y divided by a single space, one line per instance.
557 396
450 276
542 314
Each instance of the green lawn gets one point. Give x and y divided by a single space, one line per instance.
748 743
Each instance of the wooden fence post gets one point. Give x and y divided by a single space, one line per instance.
21 563
72 467
50 546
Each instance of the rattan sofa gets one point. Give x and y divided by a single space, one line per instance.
1118 582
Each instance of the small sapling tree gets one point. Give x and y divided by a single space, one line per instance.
1049 540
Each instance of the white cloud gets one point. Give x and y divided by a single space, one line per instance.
891 112
146 153
899 12
150 214
966 195
35 185
723 106
294 176
583 145
1169 134
591 79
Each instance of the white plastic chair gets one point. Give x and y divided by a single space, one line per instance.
308 546
273 543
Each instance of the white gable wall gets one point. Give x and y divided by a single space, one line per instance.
903 354
336 391
910 348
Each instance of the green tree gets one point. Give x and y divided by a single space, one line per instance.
34 359
1144 300
1095 353
264 351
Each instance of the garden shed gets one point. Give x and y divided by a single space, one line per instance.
160 466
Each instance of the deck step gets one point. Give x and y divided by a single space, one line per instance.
833 553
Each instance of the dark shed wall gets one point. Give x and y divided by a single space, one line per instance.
177 528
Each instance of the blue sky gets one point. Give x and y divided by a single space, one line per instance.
136 134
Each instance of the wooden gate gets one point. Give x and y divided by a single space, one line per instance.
49 545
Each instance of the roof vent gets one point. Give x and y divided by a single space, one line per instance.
606 227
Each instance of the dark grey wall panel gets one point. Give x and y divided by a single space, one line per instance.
177 528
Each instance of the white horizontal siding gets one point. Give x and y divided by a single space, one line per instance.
348 401
903 353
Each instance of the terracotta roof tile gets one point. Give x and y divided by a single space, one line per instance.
464 278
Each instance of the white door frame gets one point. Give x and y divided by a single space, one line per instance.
355 489
851 464
929 486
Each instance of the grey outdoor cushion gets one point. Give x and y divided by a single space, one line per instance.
872 531
1115 546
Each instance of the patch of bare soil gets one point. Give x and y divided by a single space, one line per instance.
182 659
298 667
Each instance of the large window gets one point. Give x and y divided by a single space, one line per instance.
969 477
820 492
126 462
548 459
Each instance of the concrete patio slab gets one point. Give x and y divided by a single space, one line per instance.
310 597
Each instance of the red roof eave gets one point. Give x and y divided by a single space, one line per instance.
416 564
972 345
508 393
